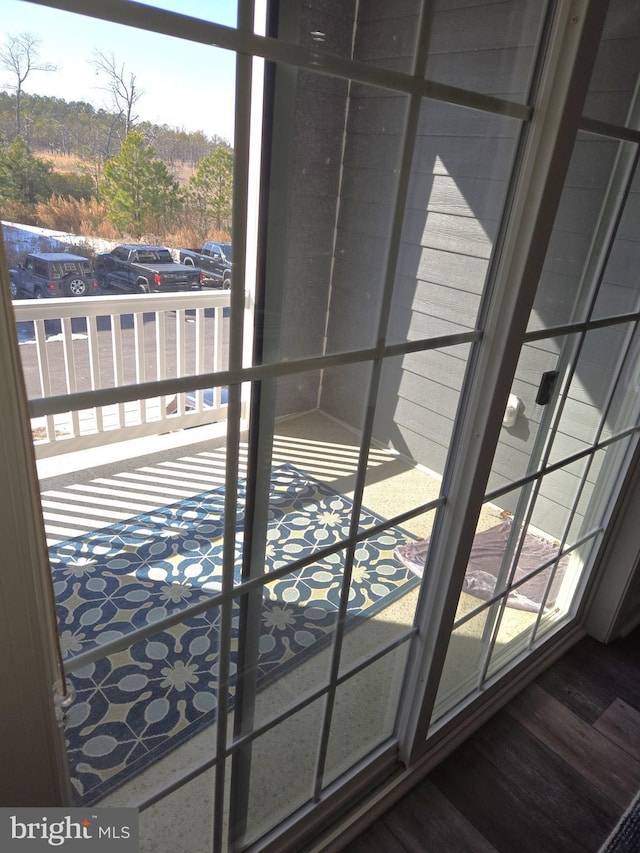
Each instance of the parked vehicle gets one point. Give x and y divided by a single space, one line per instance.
44 274
214 259
145 269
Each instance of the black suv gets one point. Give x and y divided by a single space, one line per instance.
52 274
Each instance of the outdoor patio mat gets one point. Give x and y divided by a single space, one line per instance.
484 564
135 706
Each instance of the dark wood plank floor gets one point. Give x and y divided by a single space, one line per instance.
551 773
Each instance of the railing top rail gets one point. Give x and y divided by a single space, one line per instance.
100 306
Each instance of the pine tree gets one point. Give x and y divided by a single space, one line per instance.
139 191
23 177
210 190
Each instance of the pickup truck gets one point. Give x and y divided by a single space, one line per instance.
214 259
144 269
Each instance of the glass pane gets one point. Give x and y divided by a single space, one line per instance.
133 708
488 49
375 33
601 478
575 247
283 765
296 632
336 156
184 814
613 88
620 290
526 421
217 13
416 407
570 589
589 413
173 100
624 404
383 594
364 714
460 674
523 569
461 164
516 567
306 503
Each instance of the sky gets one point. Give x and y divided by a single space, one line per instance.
183 85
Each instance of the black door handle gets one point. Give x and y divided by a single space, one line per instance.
545 389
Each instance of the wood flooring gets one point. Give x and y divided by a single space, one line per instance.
550 773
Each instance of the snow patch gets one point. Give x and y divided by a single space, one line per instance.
30 238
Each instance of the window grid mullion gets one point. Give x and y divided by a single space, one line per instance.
397 220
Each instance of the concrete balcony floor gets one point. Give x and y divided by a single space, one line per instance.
90 489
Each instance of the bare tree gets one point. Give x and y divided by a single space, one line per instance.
121 85
20 56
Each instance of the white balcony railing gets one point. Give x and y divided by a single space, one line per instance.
102 342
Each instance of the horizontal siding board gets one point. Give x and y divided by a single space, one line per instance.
425 327
463 235
411 415
413 444
420 295
450 363
428 394
440 123
486 157
435 301
487 26
502 71
463 272
481 198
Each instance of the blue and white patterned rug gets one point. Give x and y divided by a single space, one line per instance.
135 706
